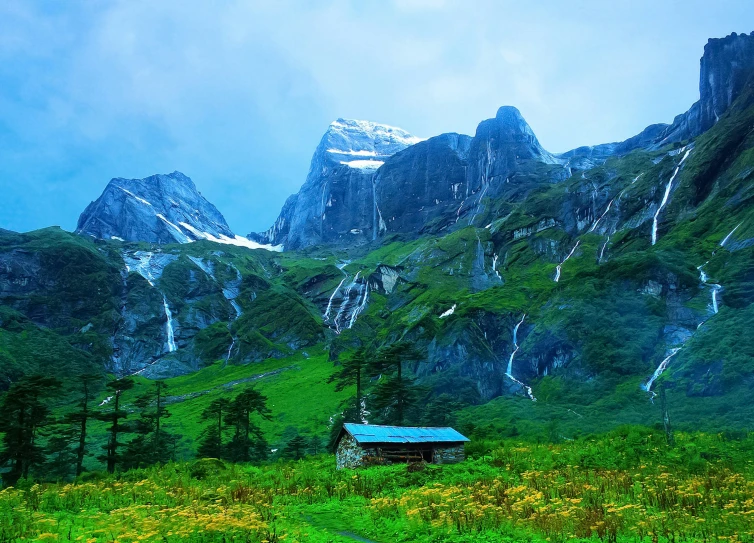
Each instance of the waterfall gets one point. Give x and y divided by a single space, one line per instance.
661 368
665 197
703 277
602 251
602 216
326 315
509 371
494 267
726 238
171 334
344 304
527 388
557 270
230 350
358 309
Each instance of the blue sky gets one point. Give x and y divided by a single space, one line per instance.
236 95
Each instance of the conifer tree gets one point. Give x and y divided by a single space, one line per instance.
114 416
396 395
248 443
351 373
296 448
24 411
151 443
79 418
211 445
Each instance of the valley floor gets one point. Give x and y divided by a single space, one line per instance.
624 486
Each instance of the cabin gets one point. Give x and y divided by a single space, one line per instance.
368 444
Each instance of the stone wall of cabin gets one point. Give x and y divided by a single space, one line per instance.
450 455
350 454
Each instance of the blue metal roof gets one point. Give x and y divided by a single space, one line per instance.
372 433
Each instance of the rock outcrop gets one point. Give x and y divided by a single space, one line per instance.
336 202
163 208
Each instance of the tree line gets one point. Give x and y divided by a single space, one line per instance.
42 439
46 427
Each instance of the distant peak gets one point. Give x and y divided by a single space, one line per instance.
510 118
506 112
373 130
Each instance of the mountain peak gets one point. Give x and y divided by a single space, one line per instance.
161 208
508 112
370 132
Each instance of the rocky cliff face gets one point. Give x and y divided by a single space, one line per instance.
158 209
420 189
336 202
367 180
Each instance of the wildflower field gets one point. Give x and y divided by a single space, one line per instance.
624 486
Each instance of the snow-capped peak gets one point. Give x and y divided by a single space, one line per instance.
363 144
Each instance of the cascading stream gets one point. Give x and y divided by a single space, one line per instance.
509 371
609 205
661 368
666 196
703 277
726 238
347 312
358 309
602 251
559 267
171 333
326 315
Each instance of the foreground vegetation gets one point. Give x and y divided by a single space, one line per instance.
624 486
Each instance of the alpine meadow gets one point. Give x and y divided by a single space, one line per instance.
458 338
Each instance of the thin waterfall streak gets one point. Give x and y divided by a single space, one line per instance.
171 334
602 216
509 371
326 316
602 251
665 197
726 238
660 369
559 267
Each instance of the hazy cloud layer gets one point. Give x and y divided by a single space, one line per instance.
237 94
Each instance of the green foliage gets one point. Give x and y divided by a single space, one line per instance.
624 486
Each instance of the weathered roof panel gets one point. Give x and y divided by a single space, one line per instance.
372 433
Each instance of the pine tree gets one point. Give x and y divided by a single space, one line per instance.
151 443
80 417
23 413
296 448
396 396
248 443
351 373
211 445
114 417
